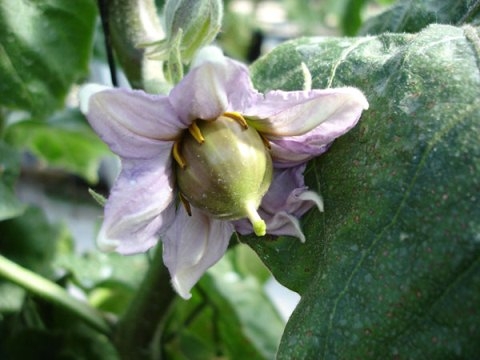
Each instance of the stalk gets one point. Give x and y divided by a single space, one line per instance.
52 292
147 312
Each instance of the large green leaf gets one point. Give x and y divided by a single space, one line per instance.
412 16
392 267
45 47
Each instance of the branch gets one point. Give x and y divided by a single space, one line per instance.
52 292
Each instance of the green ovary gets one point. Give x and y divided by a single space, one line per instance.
228 172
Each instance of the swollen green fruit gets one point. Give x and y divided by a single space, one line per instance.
227 170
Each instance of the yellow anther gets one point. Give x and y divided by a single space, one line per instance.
186 204
237 117
196 133
177 156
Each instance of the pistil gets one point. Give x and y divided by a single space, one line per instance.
258 224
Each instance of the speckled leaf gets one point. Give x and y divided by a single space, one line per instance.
391 269
45 47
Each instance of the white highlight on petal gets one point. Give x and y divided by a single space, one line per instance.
106 244
86 93
312 196
208 54
295 229
178 282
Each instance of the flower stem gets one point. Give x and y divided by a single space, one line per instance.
52 292
133 23
146 313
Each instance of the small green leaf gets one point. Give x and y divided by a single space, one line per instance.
65 142
30 241
45 48
112 296
391 269
352 16
412 16
98 269
11 297
99 198
249 324
228 316
10 205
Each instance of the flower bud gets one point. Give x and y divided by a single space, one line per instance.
197 22
227 172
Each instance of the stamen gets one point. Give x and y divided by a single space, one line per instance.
177 156
186 204
196 133
237 117
266 142
259 226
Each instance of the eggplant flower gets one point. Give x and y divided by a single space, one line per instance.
233 156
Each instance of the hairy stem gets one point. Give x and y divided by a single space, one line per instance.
50 291
472 11
137 328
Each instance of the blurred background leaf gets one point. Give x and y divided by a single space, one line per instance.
30 241
65 142
10 206
109 281
229 315
412 16
45 48
391 269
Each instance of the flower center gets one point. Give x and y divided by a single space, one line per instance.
224 167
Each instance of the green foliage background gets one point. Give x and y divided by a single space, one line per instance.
389 270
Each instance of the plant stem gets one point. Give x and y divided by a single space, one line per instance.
471 12
52 292
136 329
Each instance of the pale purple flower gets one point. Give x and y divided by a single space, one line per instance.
141 129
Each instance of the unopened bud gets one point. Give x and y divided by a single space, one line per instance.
195 22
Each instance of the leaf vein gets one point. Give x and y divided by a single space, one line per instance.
437 299
343 56
435 139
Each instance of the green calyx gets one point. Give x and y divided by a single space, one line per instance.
224 167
